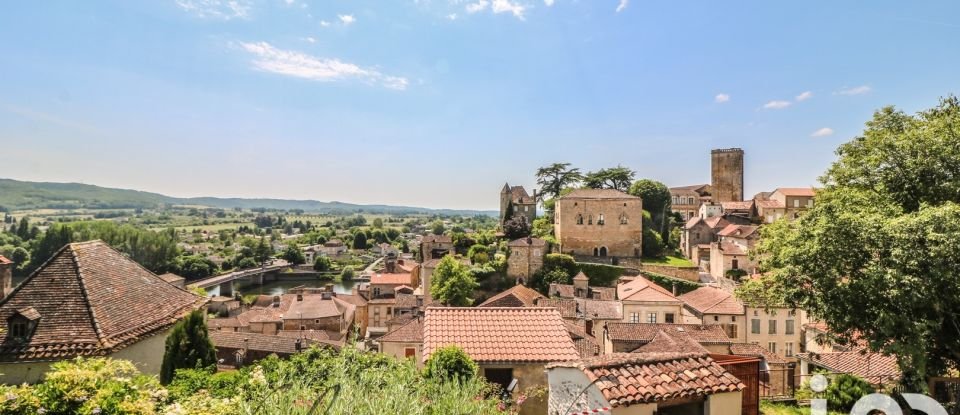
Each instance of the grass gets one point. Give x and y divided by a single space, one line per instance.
670 260
769 408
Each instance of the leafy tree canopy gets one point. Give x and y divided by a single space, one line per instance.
452 283
188 346
555 177
877 255
450 363
617 178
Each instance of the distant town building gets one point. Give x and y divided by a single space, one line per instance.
599 223
783 202
726 175
711 305
240 349
88 300
686 200
405 342
174 279
435 246
646 302
516 296
732 250
515 201
526 258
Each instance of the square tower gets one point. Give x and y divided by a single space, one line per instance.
727 174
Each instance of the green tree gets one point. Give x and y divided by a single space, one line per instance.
23 231
188 346
617 178
360 241
322 264
877 253
437 228
450 363
195 267
294 255
263 252
479 254
555 177
452 283
516 227
20 256
557 268
844 391
347 273
656 200
378 223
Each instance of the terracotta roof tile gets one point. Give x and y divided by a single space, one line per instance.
516 296
716 222
663 342
644 290
738 231
4 260
412 332
92 300
597 194
645 332
797 191
596 293
730 248
171 277
263 342
627 379
874 367
499 334
744 205
755 350
769 204
710 300
394 279
528 242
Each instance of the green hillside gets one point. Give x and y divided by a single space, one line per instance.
19 195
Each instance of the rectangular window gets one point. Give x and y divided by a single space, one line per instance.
732 331
796 203
809 203
651 318
18 330
668 318
409 352
789 349
634 317
772 347
755 326
773 327
788 329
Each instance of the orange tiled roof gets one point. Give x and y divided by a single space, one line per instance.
264 342
92 300
528 242
4 260
663 342
874 367
499 334
710 300
755 350
744 205
716 222
642 289
738 231
627 379
770 204
412 332
645 332
396 279
516 296
797 191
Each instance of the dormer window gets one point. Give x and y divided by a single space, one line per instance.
18 330
21 324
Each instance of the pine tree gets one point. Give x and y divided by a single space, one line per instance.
188 347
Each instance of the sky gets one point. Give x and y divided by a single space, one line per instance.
437 103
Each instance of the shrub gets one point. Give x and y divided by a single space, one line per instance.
845 390
347 274
187 346
93 386
683 286
450 363
601 275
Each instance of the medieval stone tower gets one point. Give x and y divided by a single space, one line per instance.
727 174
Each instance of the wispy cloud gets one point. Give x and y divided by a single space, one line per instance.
776 105
721 98
548 2
804 96
452 16
310 39
623 5
324 23
346 19
268 58
497 7
857 90
217 9
823 132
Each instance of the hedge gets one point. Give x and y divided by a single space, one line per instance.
683 286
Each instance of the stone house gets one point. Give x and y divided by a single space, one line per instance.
710 305
238 349
742 210
89 300
599 223
512 345
775 327
435 246
644 384
6 275
581 289
646 302
526 258
317 313
698 231
515 201
516 296
794 199
686 200
732 250
405 342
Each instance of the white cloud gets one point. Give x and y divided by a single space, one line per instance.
776 105
506 6
823 132
548 2
346 19
217 9
267 58
452 16
324 23
310 39
623 5
479 6
721 98
804 96
289 2
857 90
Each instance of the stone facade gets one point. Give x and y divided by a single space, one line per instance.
435 247
726 174
6 275
777 329
515 201
599 223
526 258
685 200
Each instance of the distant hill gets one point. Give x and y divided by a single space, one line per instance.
17 195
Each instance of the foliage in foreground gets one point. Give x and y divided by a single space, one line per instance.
343 382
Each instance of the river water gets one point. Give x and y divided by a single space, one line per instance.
280 287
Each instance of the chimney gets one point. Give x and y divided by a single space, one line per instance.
299 297
276 301
674 289
328 288
326 295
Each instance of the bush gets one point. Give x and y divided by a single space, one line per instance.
322 264
845 390
735 274
683 286
601 275
450 363
347 274
93 386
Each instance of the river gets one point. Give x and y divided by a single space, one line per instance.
280 287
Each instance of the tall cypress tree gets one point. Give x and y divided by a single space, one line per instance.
188 347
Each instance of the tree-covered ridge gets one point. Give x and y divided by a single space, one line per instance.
878 256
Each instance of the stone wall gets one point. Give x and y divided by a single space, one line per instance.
590 237
684 273
524 261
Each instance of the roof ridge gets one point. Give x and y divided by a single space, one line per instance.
83 294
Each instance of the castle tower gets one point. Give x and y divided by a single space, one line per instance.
726 174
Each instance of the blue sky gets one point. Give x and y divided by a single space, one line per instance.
438 102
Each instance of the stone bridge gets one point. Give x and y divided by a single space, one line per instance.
225 281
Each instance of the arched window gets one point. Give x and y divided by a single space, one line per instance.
579 219
600 219
603 251
596 252
623 218
590 220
